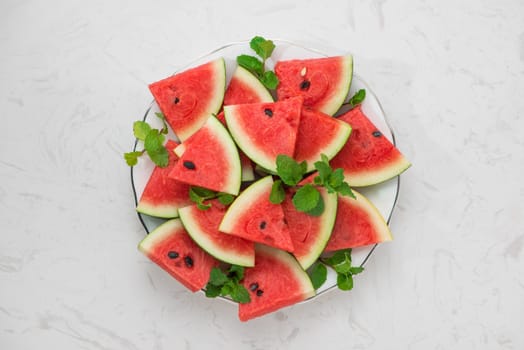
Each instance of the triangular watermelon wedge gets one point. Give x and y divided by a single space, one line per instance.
323 82
310 234
368 157
358 223
210 159
253 217
163 196
243 88
319 133
188 98
265 130
202 226
171 248
276 281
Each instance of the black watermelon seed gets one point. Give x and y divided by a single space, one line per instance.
189 261
304 85
253 286
176 100
377 133
262 225
172 254
268 112
260 292
189 165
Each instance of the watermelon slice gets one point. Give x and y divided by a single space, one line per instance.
252 216
162 196
202 226
358 223
170 247
276 281
265 130
318 133
323 82
368 157
310 234
210 160
244 87
188 98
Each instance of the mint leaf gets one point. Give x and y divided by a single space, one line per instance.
203 192
318 275
318 209
217 277
269 80
132 157
356 270
141 129
220 283
289 170
277 194
332 180
358 97
251 63
345 190
225 198
345 282
306 198
263 48
199 195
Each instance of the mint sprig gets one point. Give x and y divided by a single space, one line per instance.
153 140
263 48
201 195
318 274
357 98
340 261
224 284
332 180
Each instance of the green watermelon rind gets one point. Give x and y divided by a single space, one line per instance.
245 143
254 84
334 146
236 209
326 227
377 220
332 105
160 211
376 176
306 287
202 239
158 235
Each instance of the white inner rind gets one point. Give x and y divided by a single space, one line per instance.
332 105
327 223
254 84
241 204
333 147
245 142
191 223
164 211
374 176
234 179
159 234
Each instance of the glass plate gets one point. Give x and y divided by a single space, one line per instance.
383 196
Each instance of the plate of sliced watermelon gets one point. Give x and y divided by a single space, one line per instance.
221 212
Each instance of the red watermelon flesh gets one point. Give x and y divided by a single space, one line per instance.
308 233
265 130
188 98
243 88
210 159
202 226
171 248
276 281
323 82
162 196
358 223
319 133
368 157
253 217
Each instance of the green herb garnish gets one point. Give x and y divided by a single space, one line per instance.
357 98
318 275
332 180
153 140
200 195
340 261
227 283
263 48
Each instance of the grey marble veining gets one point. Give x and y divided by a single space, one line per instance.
73 78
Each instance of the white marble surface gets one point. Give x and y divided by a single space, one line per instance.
73 77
